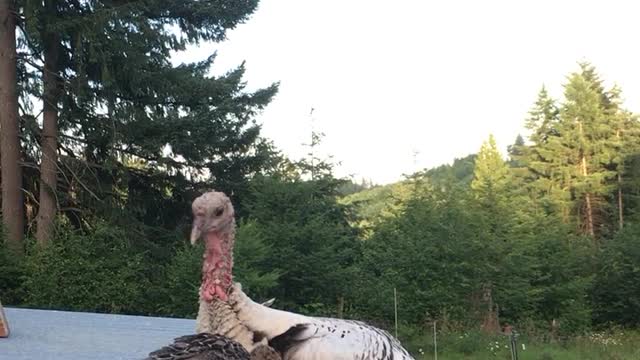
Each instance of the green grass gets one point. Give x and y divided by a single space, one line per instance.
613 345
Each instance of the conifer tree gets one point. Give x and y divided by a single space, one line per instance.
576 151
539 157
117 113
491 186
491 174
588 138
10 149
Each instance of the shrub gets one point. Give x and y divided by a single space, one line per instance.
617 281
11 275
95 271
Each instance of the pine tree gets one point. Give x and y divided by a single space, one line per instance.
543 118
576 154
539 159
49 142
491 174
628 135
112 99
516 152
588 139
10 151
492 188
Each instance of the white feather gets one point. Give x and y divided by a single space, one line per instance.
318 338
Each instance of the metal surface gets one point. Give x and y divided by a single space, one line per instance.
48 334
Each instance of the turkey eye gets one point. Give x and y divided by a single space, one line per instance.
219 211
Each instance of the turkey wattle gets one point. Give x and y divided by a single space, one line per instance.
295 336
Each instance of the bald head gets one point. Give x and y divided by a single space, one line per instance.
212 211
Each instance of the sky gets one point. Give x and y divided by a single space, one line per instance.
399 86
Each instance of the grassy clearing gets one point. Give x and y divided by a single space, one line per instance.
611 345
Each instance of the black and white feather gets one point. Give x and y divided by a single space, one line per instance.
201 346
298 337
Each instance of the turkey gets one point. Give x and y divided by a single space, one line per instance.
214 222
295 336
206 346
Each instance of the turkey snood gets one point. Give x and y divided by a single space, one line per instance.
213 219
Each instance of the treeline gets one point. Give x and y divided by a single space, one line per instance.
545 239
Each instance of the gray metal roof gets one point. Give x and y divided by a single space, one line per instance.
49 334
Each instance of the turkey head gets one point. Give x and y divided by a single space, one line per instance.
213 220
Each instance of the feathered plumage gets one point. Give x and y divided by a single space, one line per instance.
298 337
206 346
227 310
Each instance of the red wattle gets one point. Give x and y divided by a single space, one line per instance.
221 294
216 273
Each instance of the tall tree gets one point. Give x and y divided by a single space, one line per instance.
575 151
624 145
117 114
588 134
12 199
303 222
540 158
49 141
628 179
492 189
542 118
516 151
491 175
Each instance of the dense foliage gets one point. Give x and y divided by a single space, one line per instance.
95 272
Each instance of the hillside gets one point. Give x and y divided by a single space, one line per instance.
379 202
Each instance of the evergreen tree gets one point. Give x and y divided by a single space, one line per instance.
500 210
302 222
539 159
543 118
587 136
624 145
10 149
51 48
117 113
575 152
491 176
516 151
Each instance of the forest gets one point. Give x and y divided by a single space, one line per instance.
105 143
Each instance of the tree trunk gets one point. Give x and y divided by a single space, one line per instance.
587 199
48 164
12 198
340 307
620 208
587 196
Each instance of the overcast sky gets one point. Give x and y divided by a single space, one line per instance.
401 85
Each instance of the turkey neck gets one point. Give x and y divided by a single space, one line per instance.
217 265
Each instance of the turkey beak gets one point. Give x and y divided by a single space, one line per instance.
195 233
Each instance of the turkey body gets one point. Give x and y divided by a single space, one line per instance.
324 338
299 337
